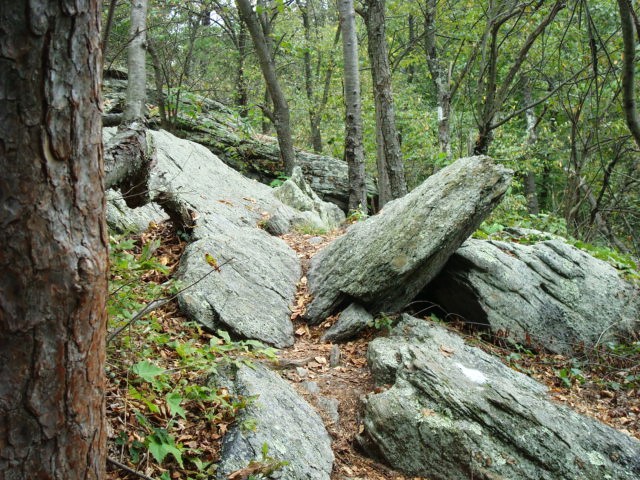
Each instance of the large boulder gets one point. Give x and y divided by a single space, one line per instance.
280 419
251 293
456 412
385 261
548 294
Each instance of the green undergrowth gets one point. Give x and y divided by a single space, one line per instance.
165 417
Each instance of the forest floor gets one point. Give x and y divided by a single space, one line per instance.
603 385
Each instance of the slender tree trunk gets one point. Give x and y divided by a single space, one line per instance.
374 18
628 70
440 78
53 241
137 84
267 65
532 139
157 76
353 148
314 121
242 94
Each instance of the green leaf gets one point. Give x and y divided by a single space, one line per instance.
174 399
147 370
161 444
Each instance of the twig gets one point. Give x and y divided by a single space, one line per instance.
155 304
122 466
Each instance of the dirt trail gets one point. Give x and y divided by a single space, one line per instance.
309 361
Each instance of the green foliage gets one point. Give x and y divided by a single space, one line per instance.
357 215
279 180
164 371
383 322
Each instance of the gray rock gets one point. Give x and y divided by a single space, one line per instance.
297 193
351 321
237 145
456 412
386 260
251 293
548 294
290 428
121 218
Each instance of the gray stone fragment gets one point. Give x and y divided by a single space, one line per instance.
289 426
386 260
550 294
456 412
351 321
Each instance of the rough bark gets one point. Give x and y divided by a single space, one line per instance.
53 242
374 17
157 77
281 115
136 63
353 148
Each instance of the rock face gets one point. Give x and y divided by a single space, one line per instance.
290 428
385 261
251 293
456 412
549 293
297 193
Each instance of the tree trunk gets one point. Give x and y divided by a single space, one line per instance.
353 148
440 78
157 76
628 70
381 74
268 67
136 63
242 94
532 138
53 240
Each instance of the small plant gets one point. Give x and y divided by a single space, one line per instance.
259 468
279 180
569 376
383 322
357 215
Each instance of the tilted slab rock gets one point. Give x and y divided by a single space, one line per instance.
548 294
291 429
456 412
251 293
385 261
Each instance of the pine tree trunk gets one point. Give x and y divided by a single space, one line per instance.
353 148
53 242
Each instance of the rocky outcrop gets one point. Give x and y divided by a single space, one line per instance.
297 193
549 294
456 412
383 262
291 430
236 144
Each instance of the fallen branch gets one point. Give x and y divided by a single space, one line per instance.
130 470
